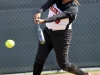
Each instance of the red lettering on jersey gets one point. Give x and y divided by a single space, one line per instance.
52 8
57 21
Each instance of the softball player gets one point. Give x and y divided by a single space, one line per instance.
57 33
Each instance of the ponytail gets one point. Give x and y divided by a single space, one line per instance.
77 2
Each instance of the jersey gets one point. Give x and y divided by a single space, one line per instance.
60 16
59 24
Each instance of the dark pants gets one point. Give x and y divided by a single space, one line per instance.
60 41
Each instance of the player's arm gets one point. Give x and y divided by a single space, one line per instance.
65 14
43 8
47 5
70 12
57 17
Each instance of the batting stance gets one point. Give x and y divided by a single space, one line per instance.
57 33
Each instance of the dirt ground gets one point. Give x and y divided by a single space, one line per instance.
91 72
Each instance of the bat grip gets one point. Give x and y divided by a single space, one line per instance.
38 22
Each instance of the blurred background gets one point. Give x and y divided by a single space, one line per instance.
16 23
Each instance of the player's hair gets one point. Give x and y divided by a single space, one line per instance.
77 2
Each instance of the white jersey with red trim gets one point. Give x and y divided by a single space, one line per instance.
59 24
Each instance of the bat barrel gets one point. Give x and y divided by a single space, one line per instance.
41 35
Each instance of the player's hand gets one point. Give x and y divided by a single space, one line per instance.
37 16
41 21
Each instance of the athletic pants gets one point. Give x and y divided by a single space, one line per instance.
60 42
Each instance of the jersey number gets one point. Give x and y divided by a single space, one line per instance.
57 21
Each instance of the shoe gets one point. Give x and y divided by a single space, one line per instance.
88 73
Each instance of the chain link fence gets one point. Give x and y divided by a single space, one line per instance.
16 22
